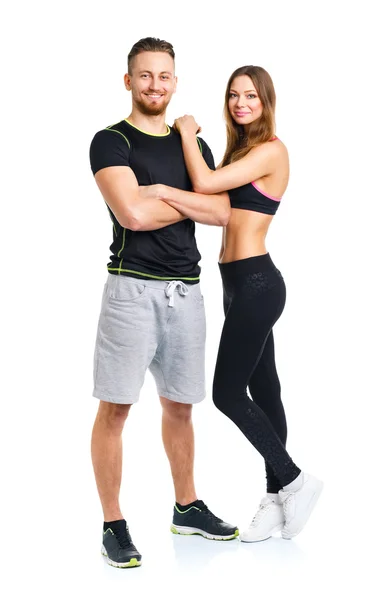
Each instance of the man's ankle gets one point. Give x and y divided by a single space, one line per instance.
112 516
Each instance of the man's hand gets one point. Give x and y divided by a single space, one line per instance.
186 124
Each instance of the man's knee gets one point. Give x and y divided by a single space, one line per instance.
113 416
176 410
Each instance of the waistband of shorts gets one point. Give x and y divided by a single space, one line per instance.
240 268
152 283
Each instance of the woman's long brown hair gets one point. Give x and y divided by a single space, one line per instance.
239 142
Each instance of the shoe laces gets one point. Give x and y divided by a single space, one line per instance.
288 502
123 537
262 510
208 513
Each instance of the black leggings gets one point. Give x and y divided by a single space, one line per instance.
254 298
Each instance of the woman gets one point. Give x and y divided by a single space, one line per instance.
255 170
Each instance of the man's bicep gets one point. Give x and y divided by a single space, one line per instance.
109 148
119 188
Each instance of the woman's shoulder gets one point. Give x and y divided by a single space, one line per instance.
277 143
273 149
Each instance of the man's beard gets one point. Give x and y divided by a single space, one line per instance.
152 111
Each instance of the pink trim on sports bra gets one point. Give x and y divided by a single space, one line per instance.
264 194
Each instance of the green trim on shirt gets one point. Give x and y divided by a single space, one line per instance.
149 276
148 133
116 131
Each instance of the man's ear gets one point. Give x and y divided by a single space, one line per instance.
127 82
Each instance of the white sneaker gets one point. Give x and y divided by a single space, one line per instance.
268 520
298 505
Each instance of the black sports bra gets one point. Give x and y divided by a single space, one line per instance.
250 197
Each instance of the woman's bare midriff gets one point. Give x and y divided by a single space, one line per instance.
245 235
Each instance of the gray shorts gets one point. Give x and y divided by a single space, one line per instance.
152 324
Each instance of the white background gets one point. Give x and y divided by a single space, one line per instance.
62 76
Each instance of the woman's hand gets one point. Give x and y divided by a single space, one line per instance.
186 124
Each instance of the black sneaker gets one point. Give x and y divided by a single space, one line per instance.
119 549
199 520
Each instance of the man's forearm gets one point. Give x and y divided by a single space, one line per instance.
213 209
172 205
151 213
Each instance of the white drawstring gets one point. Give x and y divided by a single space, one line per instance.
169 290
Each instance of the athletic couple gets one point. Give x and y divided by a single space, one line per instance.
157 181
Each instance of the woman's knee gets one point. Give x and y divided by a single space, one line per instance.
222 397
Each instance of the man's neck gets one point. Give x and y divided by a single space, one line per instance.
154 124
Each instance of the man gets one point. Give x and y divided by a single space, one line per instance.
152 313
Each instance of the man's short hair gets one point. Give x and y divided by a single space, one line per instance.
149 44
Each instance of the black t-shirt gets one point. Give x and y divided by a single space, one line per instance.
167 253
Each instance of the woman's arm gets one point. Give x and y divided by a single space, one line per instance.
259 162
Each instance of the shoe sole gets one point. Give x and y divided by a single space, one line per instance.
193 531
134 562
310 508
262 539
